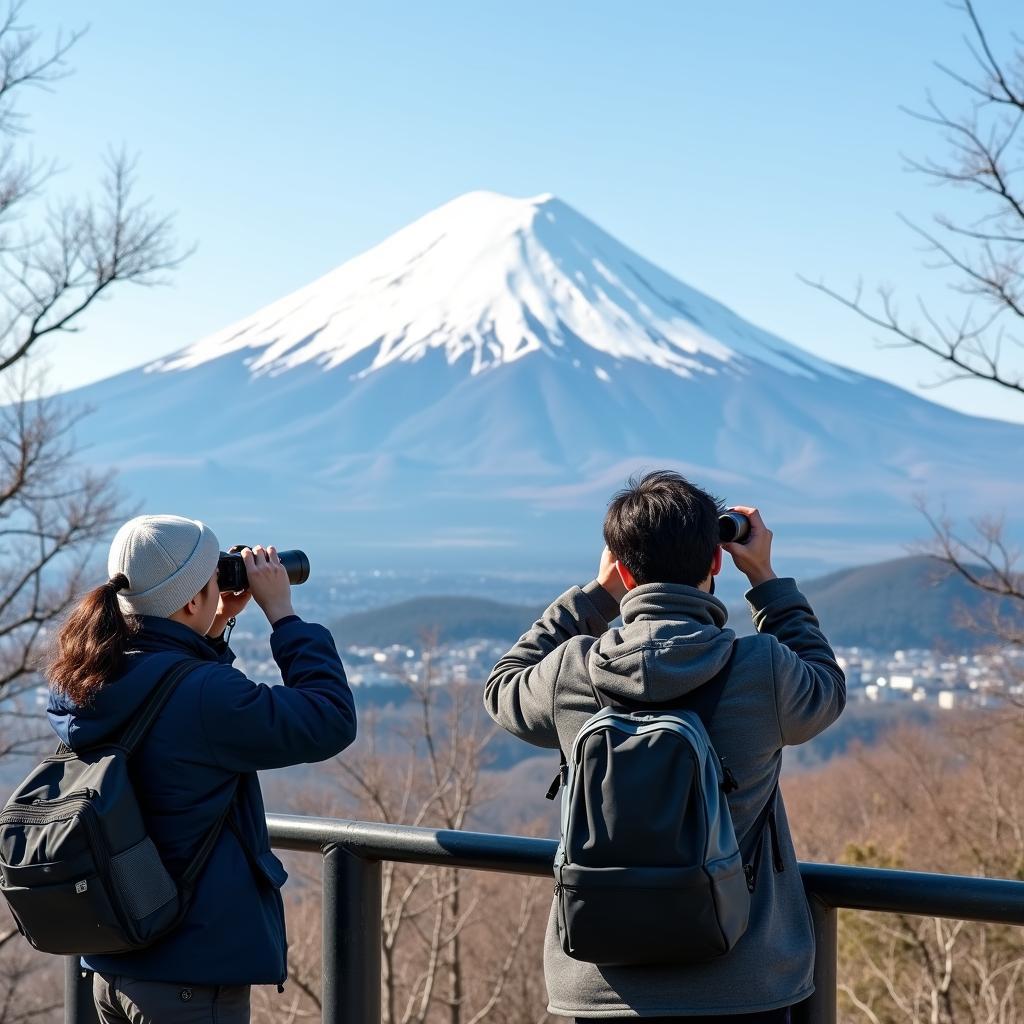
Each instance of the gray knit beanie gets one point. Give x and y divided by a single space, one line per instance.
167 560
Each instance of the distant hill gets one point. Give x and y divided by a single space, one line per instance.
453 619
917 601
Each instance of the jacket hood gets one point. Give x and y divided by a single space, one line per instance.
672 640
112 709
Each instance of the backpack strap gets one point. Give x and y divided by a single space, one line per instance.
190 876
155 702
563 766
136 733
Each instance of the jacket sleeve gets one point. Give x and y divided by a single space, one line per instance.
520 692
250 726
810 688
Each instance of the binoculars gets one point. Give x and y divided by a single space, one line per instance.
231 574
733 528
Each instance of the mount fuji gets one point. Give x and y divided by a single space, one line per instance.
473 389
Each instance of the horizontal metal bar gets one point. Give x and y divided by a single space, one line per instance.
963 897
902 892
454 849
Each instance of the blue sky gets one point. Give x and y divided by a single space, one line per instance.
736 145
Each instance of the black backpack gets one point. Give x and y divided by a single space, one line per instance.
79 871
649 869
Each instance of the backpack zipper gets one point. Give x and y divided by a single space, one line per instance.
44 812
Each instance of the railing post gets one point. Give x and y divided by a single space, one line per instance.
820 1008
78 1005
351 941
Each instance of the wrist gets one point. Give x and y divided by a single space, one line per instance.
604 601
756 577
277 611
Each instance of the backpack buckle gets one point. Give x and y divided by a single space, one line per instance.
557 782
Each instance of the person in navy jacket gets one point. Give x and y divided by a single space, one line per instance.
218 729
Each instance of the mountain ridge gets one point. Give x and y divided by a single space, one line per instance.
917 601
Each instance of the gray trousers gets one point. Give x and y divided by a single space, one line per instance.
121 1000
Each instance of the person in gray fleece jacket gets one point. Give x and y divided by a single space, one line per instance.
784 687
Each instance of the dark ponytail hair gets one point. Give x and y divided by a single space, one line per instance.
91 643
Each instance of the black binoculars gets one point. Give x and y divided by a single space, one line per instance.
733 528
231 574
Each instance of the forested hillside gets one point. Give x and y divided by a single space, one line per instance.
917 601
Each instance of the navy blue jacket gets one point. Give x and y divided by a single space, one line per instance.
216 731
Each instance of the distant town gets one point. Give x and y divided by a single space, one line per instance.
396 664
912 677
942 681
933 679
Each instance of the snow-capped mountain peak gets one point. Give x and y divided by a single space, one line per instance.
476 386
487 280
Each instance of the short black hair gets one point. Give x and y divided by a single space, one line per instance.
663 528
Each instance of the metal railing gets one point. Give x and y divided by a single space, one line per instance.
352 853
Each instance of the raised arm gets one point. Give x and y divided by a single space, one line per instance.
250 726
520 692
810 688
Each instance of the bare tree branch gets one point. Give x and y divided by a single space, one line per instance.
984 255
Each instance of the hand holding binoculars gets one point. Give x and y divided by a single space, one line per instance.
232 577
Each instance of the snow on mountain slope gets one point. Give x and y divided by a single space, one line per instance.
482 381
488 280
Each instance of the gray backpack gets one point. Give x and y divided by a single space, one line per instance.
78 869
648 870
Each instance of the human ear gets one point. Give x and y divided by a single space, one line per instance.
192 608
716 561
628 581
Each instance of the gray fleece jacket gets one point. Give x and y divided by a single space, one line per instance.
784 687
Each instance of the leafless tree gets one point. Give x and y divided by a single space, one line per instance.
982 252
947 799
987 560
27 991
57 257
